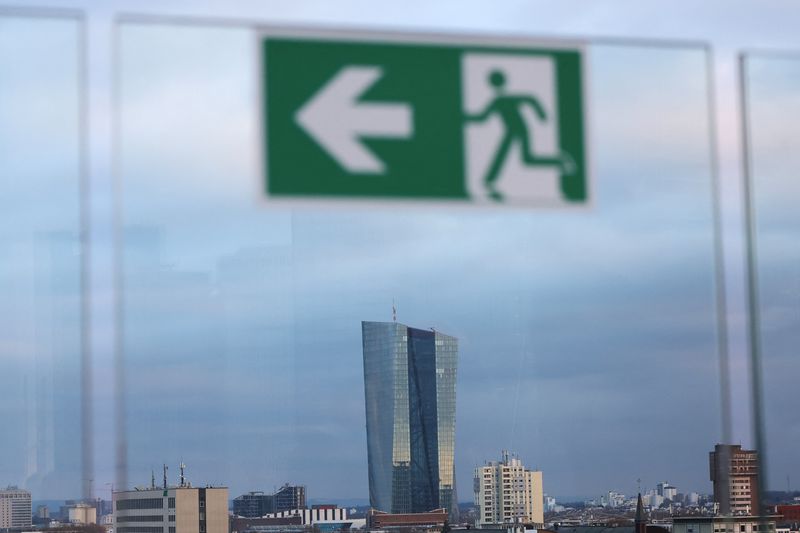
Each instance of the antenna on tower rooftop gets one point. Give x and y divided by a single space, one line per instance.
183 478
394 312
165 477
152 478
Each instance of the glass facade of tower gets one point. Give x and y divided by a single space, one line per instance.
410 392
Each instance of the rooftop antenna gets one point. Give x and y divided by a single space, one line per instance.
165 477
152 478
394 311
183 478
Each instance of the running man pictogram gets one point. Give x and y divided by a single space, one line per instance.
509 109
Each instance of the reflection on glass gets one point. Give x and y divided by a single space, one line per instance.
772 85
40 310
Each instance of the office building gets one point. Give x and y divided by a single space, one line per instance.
290 497
257 504
253 505
549 504
508 493
15 508
410 394
612 499
734 473
182 509
653 500
666 491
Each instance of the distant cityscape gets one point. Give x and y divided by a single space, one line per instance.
410 378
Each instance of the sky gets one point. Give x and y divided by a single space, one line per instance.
588 340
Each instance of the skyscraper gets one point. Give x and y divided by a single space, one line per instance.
410 392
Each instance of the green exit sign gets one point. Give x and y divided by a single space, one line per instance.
358 115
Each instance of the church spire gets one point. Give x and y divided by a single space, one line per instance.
640 523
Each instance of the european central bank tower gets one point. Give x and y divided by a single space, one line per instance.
410 391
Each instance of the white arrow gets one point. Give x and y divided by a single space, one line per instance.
337 120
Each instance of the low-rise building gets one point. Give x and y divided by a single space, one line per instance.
322 517
81 513
790 513
724 524
240 524
432 519
183 509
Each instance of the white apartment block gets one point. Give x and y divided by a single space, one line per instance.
507 493
15 508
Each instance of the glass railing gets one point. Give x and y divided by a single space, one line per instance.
587 338
771 82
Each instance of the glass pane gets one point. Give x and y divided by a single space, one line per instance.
40 259
586 338
772 84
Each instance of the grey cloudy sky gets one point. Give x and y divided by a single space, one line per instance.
588 341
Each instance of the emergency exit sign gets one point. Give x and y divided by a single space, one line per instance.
399 117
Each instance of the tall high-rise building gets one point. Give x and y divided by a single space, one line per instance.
410 392
508 493
15 508
734 472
